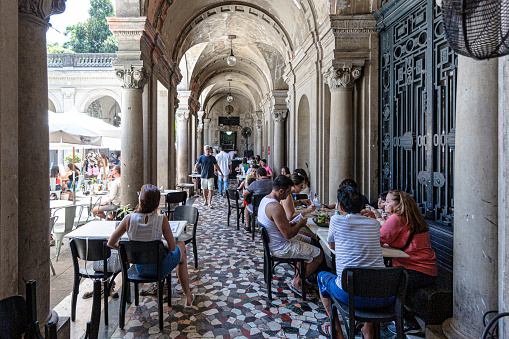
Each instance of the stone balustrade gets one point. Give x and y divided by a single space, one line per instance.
56 60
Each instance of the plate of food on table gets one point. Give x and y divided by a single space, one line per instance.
321 218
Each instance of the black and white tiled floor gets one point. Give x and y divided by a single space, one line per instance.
231 297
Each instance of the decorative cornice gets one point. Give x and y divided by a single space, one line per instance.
41 9
343 31
279 115
341 78
133 77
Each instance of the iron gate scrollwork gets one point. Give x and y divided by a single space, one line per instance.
417 105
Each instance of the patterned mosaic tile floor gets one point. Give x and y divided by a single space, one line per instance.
230 292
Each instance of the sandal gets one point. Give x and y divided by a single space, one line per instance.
325 330
295 290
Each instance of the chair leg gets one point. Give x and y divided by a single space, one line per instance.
195 252
58 244
136 294
399 325
333 315
269 277
168 285
377 330
160 303
106 295
74 298
238 219
303 279
123 303
253 224
52 268
228 218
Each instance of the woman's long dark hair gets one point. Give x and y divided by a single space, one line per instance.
150 196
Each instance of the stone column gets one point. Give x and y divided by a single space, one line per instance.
182 145
164 143
341 161
199 134
33 233
133 80
259 140
279 117
475 282
206 132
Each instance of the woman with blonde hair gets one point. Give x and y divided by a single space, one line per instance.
407 230
103 166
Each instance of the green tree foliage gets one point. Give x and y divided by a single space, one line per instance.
56 48
93 35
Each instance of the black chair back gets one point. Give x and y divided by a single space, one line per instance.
232 195
89 249
142 253
256 202
19 316
189 214
374 282
176 198
265 238
13 317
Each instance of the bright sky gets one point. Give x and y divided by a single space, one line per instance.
75 11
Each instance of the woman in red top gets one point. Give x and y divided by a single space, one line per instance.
406 229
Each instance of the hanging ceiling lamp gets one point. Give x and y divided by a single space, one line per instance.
229 98
231 60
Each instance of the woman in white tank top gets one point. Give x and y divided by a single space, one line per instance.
145 225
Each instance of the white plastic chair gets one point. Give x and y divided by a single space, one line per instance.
60 230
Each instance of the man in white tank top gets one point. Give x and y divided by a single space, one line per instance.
285 242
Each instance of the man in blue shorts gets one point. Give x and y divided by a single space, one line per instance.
356 241
208 164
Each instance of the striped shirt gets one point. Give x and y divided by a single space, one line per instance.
357 242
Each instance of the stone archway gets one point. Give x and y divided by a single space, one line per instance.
103 104
303 128
51 106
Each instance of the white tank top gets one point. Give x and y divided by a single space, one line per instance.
277 239
141 231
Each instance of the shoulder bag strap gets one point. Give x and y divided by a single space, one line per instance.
410 238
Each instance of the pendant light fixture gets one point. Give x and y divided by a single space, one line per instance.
231 60
229 98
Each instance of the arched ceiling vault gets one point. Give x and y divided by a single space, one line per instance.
268 34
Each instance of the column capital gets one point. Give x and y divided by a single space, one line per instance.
341 78
41 10
133 77
182 115
279 114
206 122
259 126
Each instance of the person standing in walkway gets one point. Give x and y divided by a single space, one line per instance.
224 162
208 165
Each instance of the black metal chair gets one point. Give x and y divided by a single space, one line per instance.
90 250
142 253
234 202
255 199
270 263
173 198
491 327
191 215
371 283
18 317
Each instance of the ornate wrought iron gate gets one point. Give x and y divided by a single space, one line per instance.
417 105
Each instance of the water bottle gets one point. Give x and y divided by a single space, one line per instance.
316 201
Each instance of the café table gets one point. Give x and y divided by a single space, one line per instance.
100 229
59 203
195 177
166 192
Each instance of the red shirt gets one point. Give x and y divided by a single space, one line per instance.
395 233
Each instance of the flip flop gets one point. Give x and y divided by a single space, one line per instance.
295 290
326 332
190 306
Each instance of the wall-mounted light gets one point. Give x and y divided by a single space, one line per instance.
231 60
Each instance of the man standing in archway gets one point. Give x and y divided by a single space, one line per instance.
208 164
